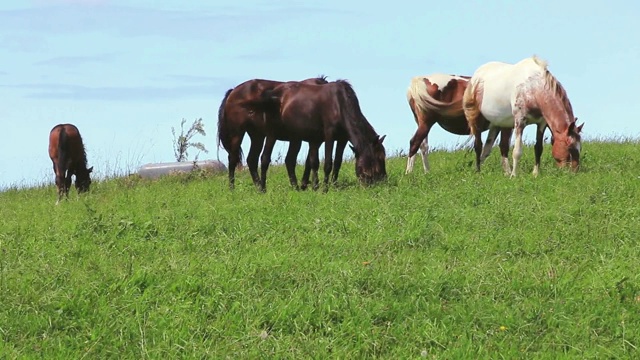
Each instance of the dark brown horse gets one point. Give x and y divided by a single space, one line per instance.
234 120
321 114
68 155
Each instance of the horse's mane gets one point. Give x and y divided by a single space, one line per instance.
322 77
356 123
554 85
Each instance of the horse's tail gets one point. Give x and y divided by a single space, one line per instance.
63 147
418 92
470 105
224 134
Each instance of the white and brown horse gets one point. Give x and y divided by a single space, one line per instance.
437 98
514 96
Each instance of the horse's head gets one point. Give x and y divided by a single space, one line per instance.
83 179
370 164
566 146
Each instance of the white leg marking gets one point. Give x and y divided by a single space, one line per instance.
424 148
505 165
517 150
410 161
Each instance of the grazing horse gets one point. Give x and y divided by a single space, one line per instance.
234 120
437 98
323 114
69 157
514 96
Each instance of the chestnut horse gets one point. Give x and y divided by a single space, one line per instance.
514 96
69 157
437 99
321 114
234 120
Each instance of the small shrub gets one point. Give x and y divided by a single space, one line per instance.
183 142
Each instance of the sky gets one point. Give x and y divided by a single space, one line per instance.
126 72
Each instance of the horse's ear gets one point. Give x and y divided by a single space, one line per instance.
579 127
90 169
381 139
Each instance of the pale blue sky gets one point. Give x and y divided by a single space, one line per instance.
125 72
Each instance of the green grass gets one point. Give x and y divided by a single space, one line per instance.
453 265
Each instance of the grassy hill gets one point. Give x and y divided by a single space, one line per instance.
452 264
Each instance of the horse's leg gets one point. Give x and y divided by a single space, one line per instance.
477 146
315 178
538 147
307 169
290 161
337 162
313 163
67 183
328 161
505 142
266 160
520 123
410 161
420 141
257 142
424 151
492 136
234 155
59 182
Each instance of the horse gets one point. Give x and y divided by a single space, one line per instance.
514 96
437 99
323 114
234 120
69 157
